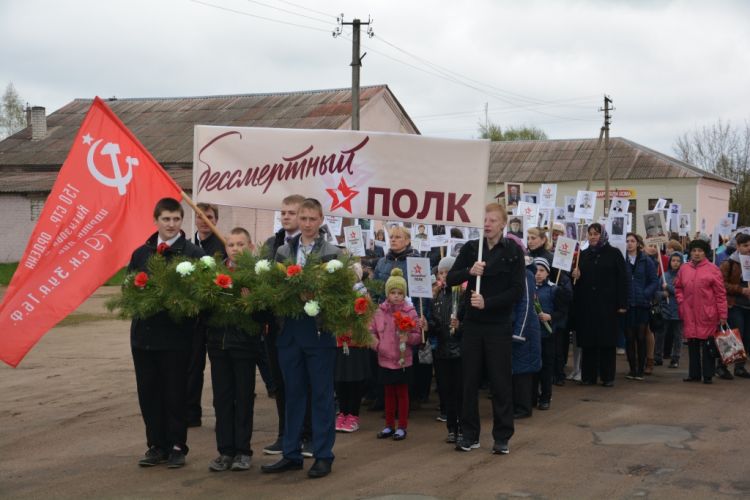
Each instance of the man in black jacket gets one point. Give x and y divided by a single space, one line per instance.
487 333
161 349
211 245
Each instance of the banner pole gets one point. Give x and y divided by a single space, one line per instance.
479 256
200 214
661 267
578 257
421 315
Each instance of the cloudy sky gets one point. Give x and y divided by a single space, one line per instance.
669 66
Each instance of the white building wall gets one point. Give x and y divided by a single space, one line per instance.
16 225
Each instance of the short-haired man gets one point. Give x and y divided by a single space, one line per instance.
738 296
161 349
307 357
211 245
289 225
487 336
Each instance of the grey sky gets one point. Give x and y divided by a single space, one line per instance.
669 66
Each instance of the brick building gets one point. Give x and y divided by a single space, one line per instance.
31 158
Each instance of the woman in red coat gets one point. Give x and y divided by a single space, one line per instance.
702 303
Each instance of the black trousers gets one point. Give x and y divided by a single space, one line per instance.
421 381
562 345
487 345
701 359
449 376
598 362
195 375
523 388
233 383
349 395
160 379
542 383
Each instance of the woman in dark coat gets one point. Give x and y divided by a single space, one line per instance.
600 295
643 283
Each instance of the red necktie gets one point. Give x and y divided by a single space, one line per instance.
161 248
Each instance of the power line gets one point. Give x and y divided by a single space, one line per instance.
324 21
307 8
235 11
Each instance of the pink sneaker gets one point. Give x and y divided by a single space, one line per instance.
341 421
351 424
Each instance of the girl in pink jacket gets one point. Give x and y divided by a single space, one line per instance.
702 302
395 328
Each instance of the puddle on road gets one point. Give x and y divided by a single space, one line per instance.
670 435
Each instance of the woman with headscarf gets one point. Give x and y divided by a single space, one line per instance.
600 295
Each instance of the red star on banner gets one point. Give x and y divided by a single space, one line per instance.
348 194
417 269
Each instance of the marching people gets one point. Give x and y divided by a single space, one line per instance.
668 305
212 246
307 357
653 326
288 231
234 354
395 328
663 335
702 301
446 326
161 349
352 372
738 296
641 273
487 333
600 289
527 349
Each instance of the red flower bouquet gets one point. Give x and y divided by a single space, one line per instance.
223 280
140 280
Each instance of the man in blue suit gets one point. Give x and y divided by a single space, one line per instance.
307 358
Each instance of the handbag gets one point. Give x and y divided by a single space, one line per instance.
425 354
729 345
655 319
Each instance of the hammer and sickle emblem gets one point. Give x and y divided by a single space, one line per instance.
117 180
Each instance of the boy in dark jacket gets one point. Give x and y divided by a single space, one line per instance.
445 327
234 354
161 349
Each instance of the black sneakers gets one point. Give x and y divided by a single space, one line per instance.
153 456
276 448
464 444
500 448
176 460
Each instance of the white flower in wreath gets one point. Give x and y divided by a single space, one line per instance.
262 266
208 262
185 268
312 308
333 266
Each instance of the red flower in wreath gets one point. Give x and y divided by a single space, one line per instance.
293 270
361 305
223 280
140 280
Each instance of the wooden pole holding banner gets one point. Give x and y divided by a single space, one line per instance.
421 315
578 257
200 214
479 257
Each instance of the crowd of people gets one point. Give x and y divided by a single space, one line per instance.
505 321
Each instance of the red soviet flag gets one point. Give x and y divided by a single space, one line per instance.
97 213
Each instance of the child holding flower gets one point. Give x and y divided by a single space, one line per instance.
395 328
234 354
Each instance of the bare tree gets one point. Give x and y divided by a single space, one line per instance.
12 116
723 149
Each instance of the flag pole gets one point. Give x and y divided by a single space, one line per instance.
661 267
200 214
479 257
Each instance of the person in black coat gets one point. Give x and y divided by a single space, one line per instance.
234 353
161 349
211 245
487 329
600 298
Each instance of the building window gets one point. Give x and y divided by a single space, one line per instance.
652 203
36 204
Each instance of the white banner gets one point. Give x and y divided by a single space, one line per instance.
353 174
655 228
419 277
355 243
564 252
585 205
547 195
745 262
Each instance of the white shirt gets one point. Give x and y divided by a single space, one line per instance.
170 242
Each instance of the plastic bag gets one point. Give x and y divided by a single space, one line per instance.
729 345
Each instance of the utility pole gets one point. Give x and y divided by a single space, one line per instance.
356 60
607 121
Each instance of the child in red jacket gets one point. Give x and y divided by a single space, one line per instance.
395 327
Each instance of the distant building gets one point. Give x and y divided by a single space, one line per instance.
31 158
637 173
